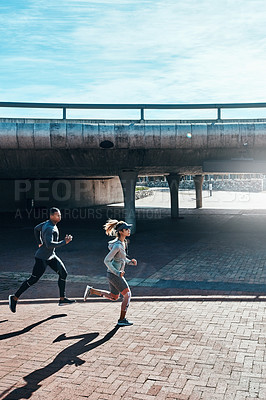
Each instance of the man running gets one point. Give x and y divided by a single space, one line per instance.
47 235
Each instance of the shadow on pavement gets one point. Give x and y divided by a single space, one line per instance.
68 356
30 327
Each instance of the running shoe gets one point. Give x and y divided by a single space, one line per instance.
87 292
66 301
12 303
124 322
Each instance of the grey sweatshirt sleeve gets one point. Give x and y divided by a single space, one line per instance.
48 239
37 233
109 258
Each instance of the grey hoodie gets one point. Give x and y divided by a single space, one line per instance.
116 259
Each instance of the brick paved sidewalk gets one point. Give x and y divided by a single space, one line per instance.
206 346
211 349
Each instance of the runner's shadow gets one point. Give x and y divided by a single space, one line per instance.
68 356
30 327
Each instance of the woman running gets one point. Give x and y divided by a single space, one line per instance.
115 261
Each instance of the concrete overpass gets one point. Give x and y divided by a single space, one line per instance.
82 163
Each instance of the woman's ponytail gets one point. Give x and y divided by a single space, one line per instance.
111 226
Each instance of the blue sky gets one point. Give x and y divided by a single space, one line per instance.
159 51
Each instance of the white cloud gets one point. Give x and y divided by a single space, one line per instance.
158 51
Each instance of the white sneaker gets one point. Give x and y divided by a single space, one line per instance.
87 292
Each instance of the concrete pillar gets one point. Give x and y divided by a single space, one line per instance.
173 183
128 181
198 181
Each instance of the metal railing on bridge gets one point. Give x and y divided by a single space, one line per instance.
141 107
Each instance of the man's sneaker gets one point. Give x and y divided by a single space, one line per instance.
87 292
12 303
66 301
124 322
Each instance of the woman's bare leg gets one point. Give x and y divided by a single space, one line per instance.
104 293
125 303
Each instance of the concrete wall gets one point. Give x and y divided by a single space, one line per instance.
45 134
61 193
73 149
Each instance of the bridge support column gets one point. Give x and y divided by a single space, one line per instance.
128 181
173 183
198 181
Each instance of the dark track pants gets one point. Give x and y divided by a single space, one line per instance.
38 270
